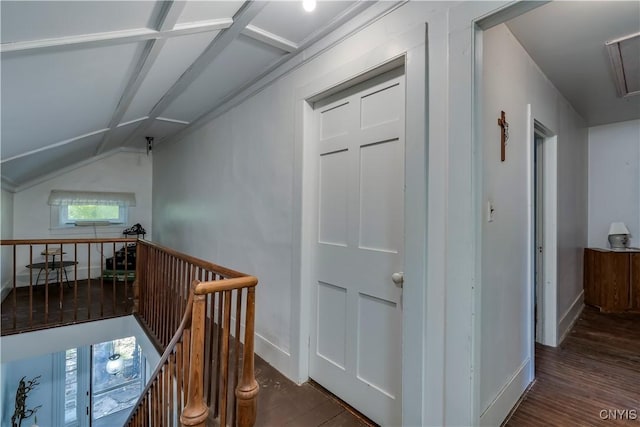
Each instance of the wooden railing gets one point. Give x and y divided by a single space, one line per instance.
190 307
194 311
55 282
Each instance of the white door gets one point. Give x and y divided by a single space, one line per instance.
356 338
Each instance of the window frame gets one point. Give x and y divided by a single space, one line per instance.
65 221
60 200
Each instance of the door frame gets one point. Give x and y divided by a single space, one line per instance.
548 300
408 49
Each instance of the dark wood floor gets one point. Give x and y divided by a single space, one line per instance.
593 377
67 304
594 374
283 403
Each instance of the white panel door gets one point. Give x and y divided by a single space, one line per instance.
356 342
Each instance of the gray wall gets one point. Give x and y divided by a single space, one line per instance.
614 180
512 81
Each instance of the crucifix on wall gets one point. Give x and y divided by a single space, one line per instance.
504 134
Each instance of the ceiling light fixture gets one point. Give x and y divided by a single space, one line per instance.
625 61
309 5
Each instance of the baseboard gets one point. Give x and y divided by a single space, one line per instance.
570 317
508 397
273 355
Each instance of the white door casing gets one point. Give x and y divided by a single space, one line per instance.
356 326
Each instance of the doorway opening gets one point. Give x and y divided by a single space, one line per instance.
544 232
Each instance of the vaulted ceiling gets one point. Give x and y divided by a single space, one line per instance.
81 79
84 78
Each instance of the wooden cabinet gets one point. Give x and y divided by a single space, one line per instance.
612 279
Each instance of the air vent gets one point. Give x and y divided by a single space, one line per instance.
625 60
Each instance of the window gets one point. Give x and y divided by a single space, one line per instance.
96 393
77 208
94 213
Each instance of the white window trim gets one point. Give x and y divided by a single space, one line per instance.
60 200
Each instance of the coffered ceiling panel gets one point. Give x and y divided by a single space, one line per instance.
289 20
34 20
244 59
53 96
48 161
208 10
175 57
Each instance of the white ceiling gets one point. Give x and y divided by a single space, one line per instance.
567 40
82 78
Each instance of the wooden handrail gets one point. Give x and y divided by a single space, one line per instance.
196 262
165 278
170 352
20 242
225 285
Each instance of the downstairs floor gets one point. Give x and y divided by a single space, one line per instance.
592 379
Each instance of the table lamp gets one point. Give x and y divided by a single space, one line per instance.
618 235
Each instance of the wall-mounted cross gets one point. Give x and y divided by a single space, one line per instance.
504 134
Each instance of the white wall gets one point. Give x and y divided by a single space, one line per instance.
511 82
41 395
229 192
120 172
614 180
225 194
6 227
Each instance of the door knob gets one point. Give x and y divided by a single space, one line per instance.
398 278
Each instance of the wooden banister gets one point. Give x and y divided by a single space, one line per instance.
247 390
211 380
196 411
192 310
56 282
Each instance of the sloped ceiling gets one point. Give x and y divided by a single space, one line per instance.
83 78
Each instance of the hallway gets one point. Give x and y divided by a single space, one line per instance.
591 379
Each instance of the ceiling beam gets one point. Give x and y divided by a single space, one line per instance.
168 17
130 122
269 38
285 65
57 144
168 120
241 19
115 37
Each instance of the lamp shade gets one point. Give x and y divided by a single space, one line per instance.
618 228
114 365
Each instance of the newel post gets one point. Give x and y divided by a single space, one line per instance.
247 390
196 411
